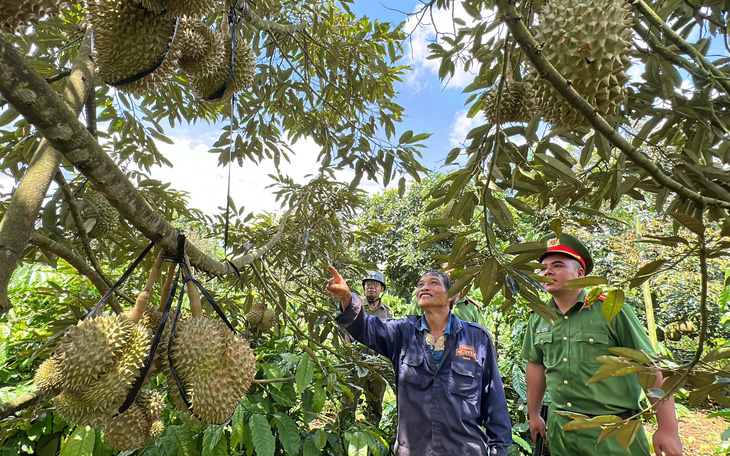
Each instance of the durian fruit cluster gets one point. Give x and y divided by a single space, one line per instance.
181 8
206 59
589 43
129 39
261 316
139 425
93 368
516 104
16 14
99 218
132 36
214 365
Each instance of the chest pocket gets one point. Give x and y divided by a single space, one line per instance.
544 344
591 344
414 370
465 379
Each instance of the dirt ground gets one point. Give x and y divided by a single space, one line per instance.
700 435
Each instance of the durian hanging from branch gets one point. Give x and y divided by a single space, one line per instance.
18 14
589 43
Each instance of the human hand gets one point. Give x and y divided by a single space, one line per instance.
666 442
337 288
537 427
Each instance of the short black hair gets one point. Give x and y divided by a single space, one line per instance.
443 275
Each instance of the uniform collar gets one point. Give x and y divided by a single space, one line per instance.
581 300
424 326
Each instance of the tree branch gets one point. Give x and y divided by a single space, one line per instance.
683 46
21 403
77 263
18 223
532 49
26 90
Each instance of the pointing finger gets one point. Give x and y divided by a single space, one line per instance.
335 274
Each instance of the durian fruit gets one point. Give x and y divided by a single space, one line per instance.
215 367
517 103
99 217
139 425
203 50
129 39
589 43
180 8
256 314
16 14
268 321
48 376
243 72
98 360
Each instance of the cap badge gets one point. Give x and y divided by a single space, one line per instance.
553 242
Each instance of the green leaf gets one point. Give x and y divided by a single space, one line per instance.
536 248
288 433
405 137
182 440
214 444
646 380
79 443
263 438
634 355
715 355
690 223
645 272
592 423
437 223
612 304
357 444
584 282
304 372
237 423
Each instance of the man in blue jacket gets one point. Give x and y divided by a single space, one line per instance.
450 396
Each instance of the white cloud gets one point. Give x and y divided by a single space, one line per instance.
422 28
462 125
198 172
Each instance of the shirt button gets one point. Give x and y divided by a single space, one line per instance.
569 404
565 360
565 382
566 338
590 340
566 317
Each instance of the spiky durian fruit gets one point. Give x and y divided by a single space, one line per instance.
256 314
15 14
203 50
215 367
99 217
98 360
588 42
128 39
48 376
517 103
242 77
180 8
139 425
268 321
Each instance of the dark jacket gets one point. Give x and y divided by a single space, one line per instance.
441 408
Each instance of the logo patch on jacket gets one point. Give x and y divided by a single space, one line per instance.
467 351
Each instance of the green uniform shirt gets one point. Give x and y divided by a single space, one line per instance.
382 311
463 309
568 350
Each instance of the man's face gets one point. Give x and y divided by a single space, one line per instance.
431 292
373 288
560 268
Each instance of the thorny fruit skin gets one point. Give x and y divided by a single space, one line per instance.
589 43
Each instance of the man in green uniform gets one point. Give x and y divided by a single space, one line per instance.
372 384
562 358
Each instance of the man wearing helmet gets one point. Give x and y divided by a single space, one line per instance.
373 384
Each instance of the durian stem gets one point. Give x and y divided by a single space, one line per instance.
196 307
167 287
144 296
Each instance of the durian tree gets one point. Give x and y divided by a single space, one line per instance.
590 104
80 118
